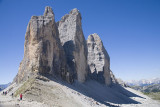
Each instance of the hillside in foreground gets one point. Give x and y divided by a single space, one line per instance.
150 87
45 92
153 91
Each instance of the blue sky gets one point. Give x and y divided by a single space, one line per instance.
129 29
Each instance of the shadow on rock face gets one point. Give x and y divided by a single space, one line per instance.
98 76
69 48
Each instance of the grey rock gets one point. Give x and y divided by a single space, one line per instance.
121 82
99 61
60 49
74 44
48 11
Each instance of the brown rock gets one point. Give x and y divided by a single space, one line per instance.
43 53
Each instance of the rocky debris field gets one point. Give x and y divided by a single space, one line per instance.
54 92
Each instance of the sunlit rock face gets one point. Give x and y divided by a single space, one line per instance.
43 53
60 49
99 61
74 44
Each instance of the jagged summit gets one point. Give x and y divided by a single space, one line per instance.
56 54
74 14
48 11
74 11
60 49
94 37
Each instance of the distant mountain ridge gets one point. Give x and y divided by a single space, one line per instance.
148 88
3 86
144 82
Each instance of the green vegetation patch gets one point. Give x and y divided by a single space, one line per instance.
27 85
154 95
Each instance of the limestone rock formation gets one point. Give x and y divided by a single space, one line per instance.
99 61
60 49
74 44
43 53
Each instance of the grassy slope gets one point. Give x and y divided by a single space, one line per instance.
154 95
153 91
24 87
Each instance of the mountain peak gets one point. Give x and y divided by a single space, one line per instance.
48 11
143 82
74 11
94 37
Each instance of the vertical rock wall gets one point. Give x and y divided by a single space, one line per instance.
43 53
60 49
99 60
74 44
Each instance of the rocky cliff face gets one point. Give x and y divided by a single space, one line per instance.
74 44
43 53
99 61
60 49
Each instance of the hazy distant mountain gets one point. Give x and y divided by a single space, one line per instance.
3 86
144 82
148 88
145 85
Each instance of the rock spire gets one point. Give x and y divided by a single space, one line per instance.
43 53
60 49
99 60
74 44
